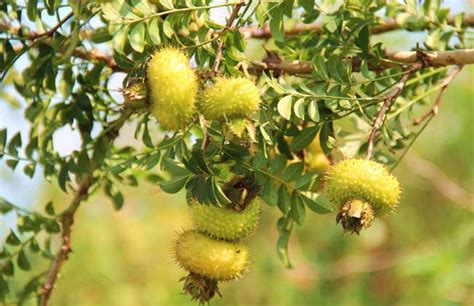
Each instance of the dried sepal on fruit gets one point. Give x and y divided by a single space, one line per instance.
200 288
362 190
172 87
229 98
135 96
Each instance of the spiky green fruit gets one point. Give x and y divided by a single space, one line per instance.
172 86
230 98
226 223
364 180
213 259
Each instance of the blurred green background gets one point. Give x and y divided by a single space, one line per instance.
422 255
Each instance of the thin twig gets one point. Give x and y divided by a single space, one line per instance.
388 103
444 85
67 217
50 33
220 46
35 35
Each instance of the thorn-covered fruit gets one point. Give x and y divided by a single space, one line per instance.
230 98
362 190
172 87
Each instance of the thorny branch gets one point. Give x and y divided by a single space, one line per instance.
444 85
67 217
432 59
390 98
386 26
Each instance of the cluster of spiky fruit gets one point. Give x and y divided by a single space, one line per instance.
173 93
215 250
362 190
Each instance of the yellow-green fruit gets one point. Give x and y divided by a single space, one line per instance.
315 159
317 162
214 259
226 223
230 98
364 180
172 87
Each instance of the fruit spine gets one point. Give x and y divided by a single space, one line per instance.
172 87
362 190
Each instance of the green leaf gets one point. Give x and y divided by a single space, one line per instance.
34 246
304 138
31 10
330 23
123 61
306 182
49 208
173 168
276 24
197 163
174 185
270 193
120 39
337 70
12 163
317 202
284 107
154 31
308 5
101 35
14 144
278 164
118 200
282 248
167 4
12 239
235 150
146 137
63 177
363 40
8 268
3 140
23 262
313 111
284 200
299 107
168 28
222 199
293 171
137 37
52 227
320 68
29 169
297 211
